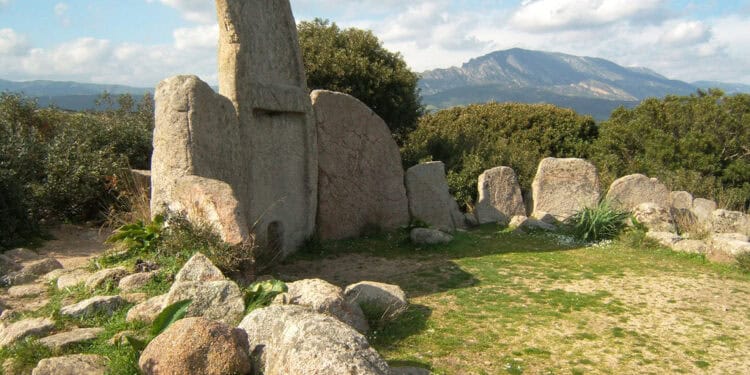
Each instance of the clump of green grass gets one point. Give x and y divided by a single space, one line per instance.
743 261
601 222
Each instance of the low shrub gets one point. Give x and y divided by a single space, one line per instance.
593 224
743 260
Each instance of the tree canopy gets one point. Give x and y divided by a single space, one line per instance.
354 61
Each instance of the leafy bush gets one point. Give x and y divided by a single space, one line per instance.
261 293
139 237
472 139
593 224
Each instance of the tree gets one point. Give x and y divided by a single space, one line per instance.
354 61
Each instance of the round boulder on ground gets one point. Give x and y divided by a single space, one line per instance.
429 236
628 192
386 300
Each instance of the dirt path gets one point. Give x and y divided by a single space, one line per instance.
75 245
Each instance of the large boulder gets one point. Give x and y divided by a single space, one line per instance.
361 178
681 200
293 340
702 210
199 269
655 217
197 346
628 192
500 196
724 221
562 187
386 300
325 298
429 198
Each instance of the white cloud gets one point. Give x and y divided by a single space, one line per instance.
12 43
203 36
201 11
545 15
685 33
61 11
4 3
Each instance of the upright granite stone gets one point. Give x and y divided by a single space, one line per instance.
563 186
628 192
500 196
681 200
429 198
257 136
361 181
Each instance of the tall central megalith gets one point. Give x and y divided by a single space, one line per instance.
258 136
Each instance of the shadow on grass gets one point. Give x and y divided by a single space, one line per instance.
411 322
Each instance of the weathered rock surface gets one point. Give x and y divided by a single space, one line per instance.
702 209
628 192
323 297
199 269
29 290
8 265
500 196
523 223
655 217
94 305
386 300
42 266
429 236
101 277
214 203
517 221
73 278
22 254
667 239
429 198
197 346
147 310
293 340
136 280
729 246
217 300
361 180
681 200
24 328
724 221
76 364
691 246
66 339
562 187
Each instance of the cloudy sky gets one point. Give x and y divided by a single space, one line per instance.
139 42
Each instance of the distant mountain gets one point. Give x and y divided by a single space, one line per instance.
589 85
729 88
74 96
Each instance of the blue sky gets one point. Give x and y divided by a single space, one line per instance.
139 42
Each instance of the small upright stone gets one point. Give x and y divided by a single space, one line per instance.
562 187
386 300
702 209
199 269
628 192
500 196
429 236
429 198
681 200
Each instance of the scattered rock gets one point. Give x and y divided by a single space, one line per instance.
667 239
17 278
500 196
386 300
22 254
361 178
8 265
136 280
655 217
64 340
293 340
55 274
216 300
691 246
134 298
723 221
146 311
73 278
545 217
29 290
681 200
429 198
197 346
562 187
101 277
199 269
628 192
41 267
729 246
76 364
523 223
326 298
429 236
94 305
28 327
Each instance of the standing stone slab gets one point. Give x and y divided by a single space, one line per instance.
429 198
361 181
681 200
500 196
628 192
702 209
563 186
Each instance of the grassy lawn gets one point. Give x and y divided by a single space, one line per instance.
495 302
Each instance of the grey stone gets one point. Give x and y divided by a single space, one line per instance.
325 298
429 236
76 364
8 265
470 219
361 178
141 179
545 217
731 236
216 300
562 187
702 209
22 254
55 274
199 268
134 298
517 221
293 340
523 223
101 277
429 198
73 278
655 217
197 346
65 340
691 246
667 239
628 192
724 221
681 200
24 328
500 196
30 290
41 267
729 246
136 280
147 310
258 136
94 305
386 300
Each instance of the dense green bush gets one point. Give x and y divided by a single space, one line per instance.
472 139
698 143
602 222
